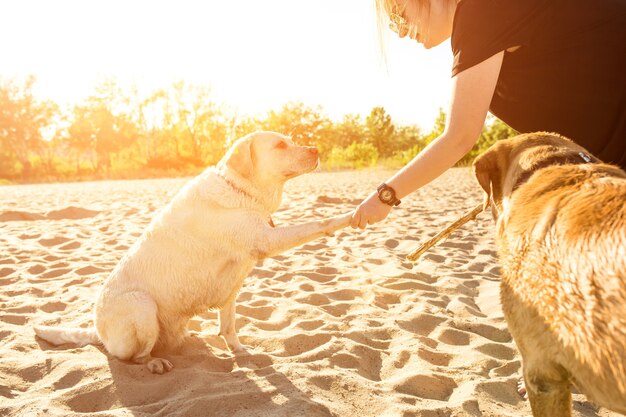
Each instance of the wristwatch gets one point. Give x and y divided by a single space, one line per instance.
387 195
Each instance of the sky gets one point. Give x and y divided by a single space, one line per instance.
256 55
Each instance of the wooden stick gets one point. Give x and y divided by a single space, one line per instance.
413 256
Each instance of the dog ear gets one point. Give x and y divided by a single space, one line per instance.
239 158
488 175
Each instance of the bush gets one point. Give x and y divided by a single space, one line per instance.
357 156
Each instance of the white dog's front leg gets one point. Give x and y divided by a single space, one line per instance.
227 327
281 239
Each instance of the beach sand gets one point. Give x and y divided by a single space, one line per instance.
342 326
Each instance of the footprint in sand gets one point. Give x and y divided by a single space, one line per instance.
256 313
497 351
311 247
485 330
344 295
53 307
329 200
55 241
26 236
270 293
318 277
477 267
4 272
89 270
377 339
13 319
69 380
92 397
56 273
501 392
272 326
366 360
434 357
392 243
337 310
422 324
70 246
406 285
71 212
454 337
434 258
301 343
432 387
508 369
386 299
9 216
314 299
310 325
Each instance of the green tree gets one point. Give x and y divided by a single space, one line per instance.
23 119
102 126
380 131
340 134
493 131
301 122
438 128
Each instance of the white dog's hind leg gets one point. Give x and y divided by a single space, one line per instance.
129 328
227 327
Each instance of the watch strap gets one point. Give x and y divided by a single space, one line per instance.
394 201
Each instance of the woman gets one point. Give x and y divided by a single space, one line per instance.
539 65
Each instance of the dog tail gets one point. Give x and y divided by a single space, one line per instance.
61 335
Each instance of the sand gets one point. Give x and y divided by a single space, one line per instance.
343 326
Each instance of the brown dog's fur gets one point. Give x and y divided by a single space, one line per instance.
561 237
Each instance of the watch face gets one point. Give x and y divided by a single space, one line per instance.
386 195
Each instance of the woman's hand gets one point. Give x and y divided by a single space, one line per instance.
370 211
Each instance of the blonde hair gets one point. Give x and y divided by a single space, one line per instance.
382 10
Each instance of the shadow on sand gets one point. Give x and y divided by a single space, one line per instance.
206 381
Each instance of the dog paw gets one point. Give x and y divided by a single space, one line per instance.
159 366
521 388
240 350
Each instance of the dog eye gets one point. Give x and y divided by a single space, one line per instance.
281 145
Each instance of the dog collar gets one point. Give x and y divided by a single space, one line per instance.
247 194
572 159
234 187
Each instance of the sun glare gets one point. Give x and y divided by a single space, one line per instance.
255 55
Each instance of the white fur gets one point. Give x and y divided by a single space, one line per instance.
197 251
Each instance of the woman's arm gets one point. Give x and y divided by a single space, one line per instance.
471 95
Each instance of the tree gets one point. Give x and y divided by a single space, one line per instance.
493 131
438 128
102 126
340 134
380 131
294 119
23 119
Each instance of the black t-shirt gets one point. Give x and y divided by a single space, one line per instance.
569 74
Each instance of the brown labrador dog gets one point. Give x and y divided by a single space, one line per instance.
561 237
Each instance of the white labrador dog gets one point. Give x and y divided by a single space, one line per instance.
197 251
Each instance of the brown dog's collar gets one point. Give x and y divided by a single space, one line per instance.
571 159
